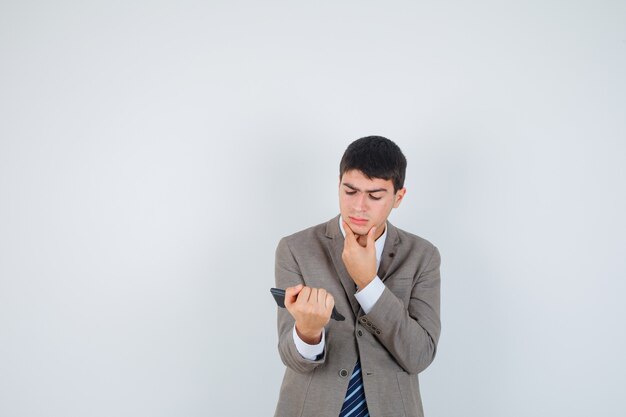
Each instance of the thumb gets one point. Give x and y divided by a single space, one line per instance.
291 294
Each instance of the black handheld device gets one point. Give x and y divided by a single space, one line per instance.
279 296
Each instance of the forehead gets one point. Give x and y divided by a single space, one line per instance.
358 179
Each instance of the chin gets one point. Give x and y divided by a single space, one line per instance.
360 230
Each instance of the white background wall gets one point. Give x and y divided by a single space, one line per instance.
153 153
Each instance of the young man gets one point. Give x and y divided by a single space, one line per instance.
385 281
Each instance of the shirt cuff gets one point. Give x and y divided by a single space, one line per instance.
310 352
368 296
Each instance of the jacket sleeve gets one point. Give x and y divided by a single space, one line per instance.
410 335
288 274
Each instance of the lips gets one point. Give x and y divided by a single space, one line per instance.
358 221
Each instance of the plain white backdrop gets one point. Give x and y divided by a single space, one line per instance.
152 154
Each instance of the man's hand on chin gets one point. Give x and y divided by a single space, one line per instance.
359 256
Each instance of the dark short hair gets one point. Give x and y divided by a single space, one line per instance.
375 157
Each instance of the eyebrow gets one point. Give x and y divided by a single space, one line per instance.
352 187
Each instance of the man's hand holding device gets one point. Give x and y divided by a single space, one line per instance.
311 308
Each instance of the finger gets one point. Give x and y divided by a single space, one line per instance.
370 236
321 296
330 301
349 232
291 294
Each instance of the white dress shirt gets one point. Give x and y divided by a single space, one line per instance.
366 297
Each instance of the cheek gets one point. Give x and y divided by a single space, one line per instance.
343 206
382 210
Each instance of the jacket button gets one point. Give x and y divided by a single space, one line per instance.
362 319
343 373
359 332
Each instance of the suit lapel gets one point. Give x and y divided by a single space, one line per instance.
390 251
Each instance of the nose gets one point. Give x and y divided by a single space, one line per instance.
360 203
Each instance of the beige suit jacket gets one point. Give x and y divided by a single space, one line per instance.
394 342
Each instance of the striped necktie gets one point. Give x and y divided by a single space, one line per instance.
354 405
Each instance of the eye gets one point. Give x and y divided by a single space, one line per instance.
375 198
350 192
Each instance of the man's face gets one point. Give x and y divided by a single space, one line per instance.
365 203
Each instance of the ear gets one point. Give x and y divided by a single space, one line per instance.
398 197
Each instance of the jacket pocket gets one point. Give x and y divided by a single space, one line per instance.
293 394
